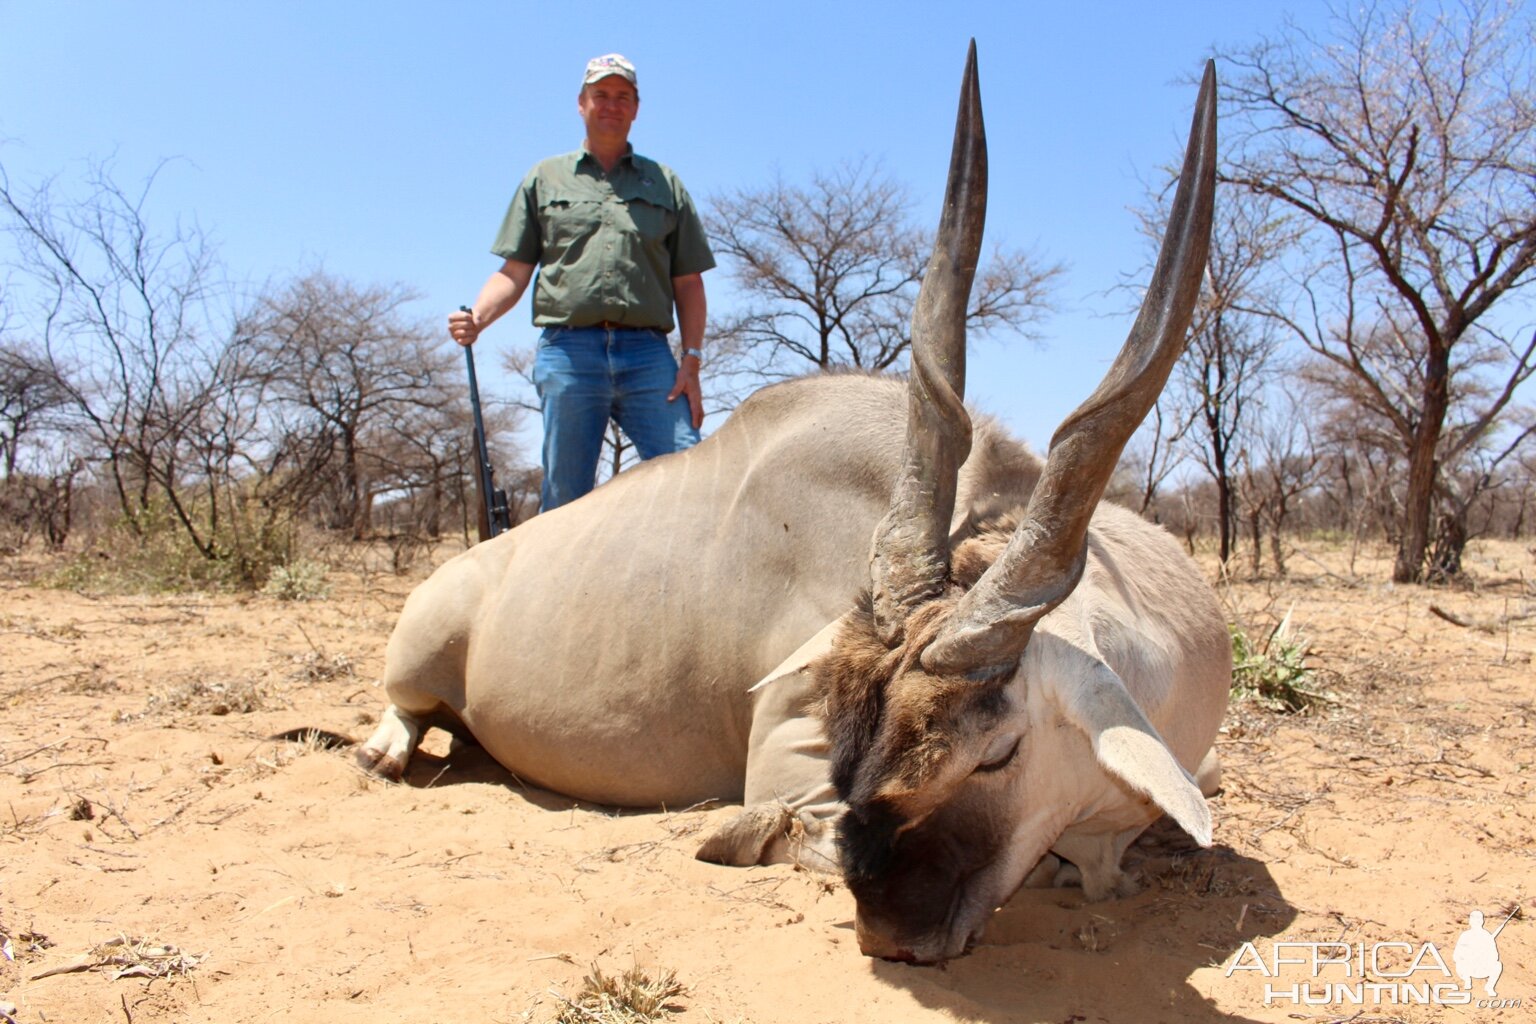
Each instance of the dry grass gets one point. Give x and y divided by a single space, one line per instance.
126 957
633 997
200 697
317 666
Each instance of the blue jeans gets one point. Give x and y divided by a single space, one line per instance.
587 375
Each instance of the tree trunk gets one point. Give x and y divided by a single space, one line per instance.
1225 524
353 515
1256 537
362 526
1450 544
1423 469
1414 540
434 516
60 511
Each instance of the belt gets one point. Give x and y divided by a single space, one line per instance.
614 325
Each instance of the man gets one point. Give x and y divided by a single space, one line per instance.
617 244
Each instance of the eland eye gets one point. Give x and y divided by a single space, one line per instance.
997 764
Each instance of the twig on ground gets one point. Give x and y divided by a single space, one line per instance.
32 753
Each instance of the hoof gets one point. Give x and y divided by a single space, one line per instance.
744 840
379 764
1099 886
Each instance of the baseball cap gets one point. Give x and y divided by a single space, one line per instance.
609 64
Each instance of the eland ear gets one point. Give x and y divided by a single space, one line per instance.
1128 746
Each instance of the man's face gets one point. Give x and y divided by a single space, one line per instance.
608 107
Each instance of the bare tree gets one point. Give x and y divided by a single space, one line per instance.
1233 348
1483 470
126 331
322 394
40 472
1155 452
1521 494
1408 144
345 369
831 271
1357 492
31 396
426 463
1279 464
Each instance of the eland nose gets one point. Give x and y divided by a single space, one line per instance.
876 943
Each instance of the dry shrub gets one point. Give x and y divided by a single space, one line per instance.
91 681
152 551
236 697
300 580
633 997
317 667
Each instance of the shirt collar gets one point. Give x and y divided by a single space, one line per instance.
584 154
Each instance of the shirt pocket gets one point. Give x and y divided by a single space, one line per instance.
650 220
567 220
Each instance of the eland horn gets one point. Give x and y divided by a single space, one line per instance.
909 559
1044 559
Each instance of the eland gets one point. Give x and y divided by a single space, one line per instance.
915 653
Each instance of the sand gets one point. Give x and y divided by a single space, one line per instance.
162 859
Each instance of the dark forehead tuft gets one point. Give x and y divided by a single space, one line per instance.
852 678
888 721
866 843
855 678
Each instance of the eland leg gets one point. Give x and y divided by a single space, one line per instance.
389 749
1208 775
423 671
790 807
1095 862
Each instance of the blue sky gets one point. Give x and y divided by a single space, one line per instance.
383 140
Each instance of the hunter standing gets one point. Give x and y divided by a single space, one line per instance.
617 246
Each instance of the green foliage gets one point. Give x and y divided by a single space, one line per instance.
299 580
154 550
1277 674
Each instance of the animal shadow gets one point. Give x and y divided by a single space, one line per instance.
468 763
1049 954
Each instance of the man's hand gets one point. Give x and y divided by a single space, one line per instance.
463 328
687 383
688 293
499 294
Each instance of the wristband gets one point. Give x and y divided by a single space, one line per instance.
697 353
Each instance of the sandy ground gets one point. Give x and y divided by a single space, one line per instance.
148 827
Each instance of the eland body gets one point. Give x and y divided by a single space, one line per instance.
914 651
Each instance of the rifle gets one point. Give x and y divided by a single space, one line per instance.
495 517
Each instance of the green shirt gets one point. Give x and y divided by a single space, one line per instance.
607 245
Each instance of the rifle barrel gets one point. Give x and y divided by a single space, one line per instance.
495 523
